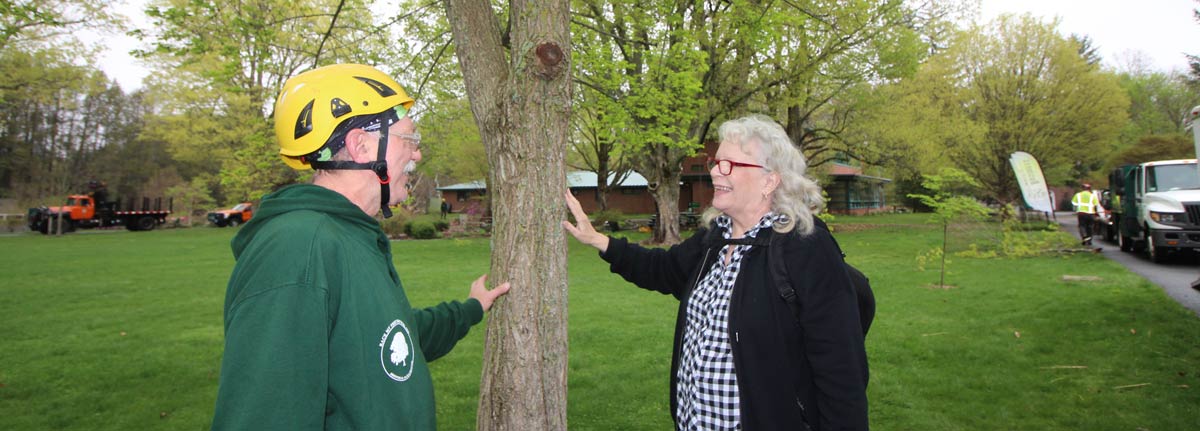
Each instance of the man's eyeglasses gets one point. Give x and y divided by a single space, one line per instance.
725 167
412 139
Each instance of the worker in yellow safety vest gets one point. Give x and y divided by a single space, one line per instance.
1087 207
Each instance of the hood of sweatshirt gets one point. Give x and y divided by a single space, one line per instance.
308 197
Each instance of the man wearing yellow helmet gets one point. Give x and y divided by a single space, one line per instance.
319 333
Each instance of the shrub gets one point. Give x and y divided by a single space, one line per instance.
12 224
610 218
396 224
423 230
441 225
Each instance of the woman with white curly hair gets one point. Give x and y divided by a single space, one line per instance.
744 358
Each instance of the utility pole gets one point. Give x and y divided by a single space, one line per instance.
1193 122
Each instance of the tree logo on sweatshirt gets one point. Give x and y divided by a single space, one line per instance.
396 351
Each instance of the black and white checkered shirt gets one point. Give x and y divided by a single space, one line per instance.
707 388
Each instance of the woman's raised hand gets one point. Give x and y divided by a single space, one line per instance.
582 230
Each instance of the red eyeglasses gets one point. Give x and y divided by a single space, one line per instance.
725 167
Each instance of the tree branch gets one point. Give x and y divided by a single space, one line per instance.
332 22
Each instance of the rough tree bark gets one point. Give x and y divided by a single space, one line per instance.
521 101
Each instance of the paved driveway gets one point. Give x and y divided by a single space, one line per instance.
1175 276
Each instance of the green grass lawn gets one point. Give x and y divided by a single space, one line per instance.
119 330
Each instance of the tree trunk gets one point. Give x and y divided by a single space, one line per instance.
660 164
522 109
602 172
666 201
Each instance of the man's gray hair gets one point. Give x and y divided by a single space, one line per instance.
798 197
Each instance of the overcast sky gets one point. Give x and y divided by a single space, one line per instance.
1161 31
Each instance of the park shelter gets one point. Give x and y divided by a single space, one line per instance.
852 192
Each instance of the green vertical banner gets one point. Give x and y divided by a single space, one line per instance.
1033 183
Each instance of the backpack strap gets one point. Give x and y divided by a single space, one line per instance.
775 261
767 238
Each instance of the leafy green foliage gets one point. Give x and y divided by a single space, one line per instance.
220 67
450 143
399 223
656 78
423 230
192 196
1016 85
38 24
951 202
641 74
1158 104
818 63
255 170
1151 148
952 199
600 217
1020 240
65 125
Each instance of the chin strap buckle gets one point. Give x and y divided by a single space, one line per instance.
381 170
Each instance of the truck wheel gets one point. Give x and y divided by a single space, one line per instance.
144 223
1157 254
1125 242
233 222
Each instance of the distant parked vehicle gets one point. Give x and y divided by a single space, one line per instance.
92 210
232 217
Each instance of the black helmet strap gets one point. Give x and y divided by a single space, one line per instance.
379 166
381 170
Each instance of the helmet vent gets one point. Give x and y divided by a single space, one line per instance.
339 107
379 87
304 123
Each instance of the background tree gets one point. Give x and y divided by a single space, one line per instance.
1087 49
1194 59
1158 103
594 148
1024 88
937 21
452 150
1151 148
824 57
640 72
666 72
952 200
42 22
519 86
219 66
904 129
455 151
45 94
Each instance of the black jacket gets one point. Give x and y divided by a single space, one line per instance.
792 375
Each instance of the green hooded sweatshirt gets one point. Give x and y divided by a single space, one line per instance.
318 331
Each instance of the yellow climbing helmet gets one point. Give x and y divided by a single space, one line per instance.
312 105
